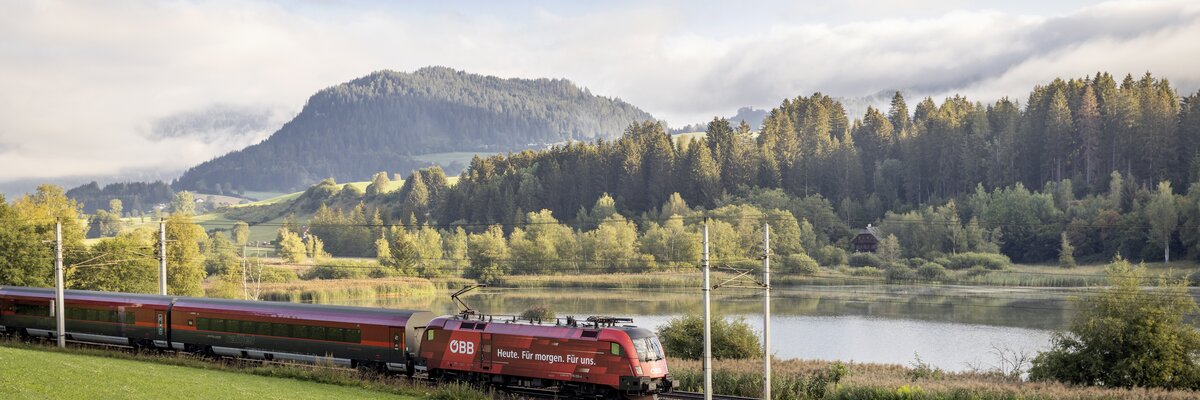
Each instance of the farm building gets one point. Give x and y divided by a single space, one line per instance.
867 240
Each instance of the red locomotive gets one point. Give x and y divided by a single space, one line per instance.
599 357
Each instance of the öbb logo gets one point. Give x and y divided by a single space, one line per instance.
462 347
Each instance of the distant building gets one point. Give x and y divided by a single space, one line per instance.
867 240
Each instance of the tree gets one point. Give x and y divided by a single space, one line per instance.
683 337
183 203
404 253
379 184
291 247
315 248
241 233
1127 336
1066 253
115 207
889 249
24 260
488 253
185 263
118 266
1163 218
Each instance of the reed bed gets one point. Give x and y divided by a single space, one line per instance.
606 281
326 291
811 379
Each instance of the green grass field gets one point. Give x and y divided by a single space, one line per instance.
34 374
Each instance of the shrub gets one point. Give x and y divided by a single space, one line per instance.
916 262
277 275
968 260
1127 336
975 271
538 313
830 256
932 272
800 263
683 337
865 260
866 271
900 274
341 269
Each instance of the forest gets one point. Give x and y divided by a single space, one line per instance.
380 121
1088 164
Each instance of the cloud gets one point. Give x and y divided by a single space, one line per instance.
83 84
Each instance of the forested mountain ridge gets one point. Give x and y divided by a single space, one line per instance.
380 121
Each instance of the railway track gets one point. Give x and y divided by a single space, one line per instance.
700 396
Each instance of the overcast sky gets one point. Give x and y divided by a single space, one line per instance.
84 84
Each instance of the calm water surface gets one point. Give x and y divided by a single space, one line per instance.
947 327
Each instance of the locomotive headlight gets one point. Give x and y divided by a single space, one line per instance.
638 369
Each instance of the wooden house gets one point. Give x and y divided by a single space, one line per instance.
867 240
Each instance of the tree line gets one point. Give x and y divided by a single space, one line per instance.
1011 177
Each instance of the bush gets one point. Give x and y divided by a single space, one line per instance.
538 313
916 262
975 271
277 275
683 337
932 272
341 269
1127 336
800 263
968 260
866 271
830 256
865 260
900 274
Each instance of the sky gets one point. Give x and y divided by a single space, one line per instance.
145 89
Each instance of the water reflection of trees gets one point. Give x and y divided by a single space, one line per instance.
1037 309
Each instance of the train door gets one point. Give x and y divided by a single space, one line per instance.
397 339
485 353
160 323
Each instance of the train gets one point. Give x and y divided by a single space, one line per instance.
599 357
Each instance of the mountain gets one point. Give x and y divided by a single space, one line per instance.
387 120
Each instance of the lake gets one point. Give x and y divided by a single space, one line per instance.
950 327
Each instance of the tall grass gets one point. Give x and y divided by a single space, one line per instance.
808 379
326 291
603 281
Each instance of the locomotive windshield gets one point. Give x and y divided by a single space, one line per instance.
648 349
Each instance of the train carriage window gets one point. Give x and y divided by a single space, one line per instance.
316 333
353 336
615 349
262 328
90 315
233 326
130 317
75 313
112 317
281 330
217 324
300 331
429 335
203 324
335 334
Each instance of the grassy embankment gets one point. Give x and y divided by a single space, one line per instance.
804 379
30 371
